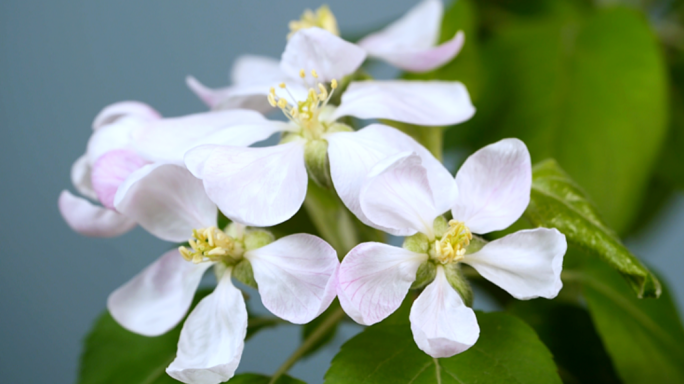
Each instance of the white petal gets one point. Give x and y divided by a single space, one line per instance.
258 187
316 49
167 201
110 171
168 140
373 280
399 197
432 103
353 155
117 135
441 323
526 264
91 220
296 276
253 69
118 110
251 96
409 43
157 298
212 339
80 177
494 186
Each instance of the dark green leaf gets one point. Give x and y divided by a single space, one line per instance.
557 202
645 338
568 332
508 351
113 355
253 378
588 89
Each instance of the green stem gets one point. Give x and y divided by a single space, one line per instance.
308 343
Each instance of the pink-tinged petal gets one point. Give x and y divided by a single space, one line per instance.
169 139
157 298
432 103
117 135
353 155
441 323
251 96
167 201
296 276
91 220
374 278
316 49
110 171
259 187
494 186
212 338
526 264
81 178
253 69
398 199
121 109
409 43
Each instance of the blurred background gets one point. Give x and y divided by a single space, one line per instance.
597 85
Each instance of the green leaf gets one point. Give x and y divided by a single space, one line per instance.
588 89
557 202
645 338
566 329
113 355
508 351
253 378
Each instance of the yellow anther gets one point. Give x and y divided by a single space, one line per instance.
323 18
323 94
314 74
282 103
281 85
211 244
452 246
271 100
302 73
333 84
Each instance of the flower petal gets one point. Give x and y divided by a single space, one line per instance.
441 323
110 171
116 135
317 49
250 96
409 43
167 201
353 155
432 103
253 69
494 186
157 298
118 110
399 199
81 178
374 278
213 337
296 276
168 140
91 220
258 187
526 264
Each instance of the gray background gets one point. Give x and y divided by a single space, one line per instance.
60 63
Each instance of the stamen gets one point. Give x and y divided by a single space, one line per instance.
333 84
314 74
302 73
452 246
211 244
281 85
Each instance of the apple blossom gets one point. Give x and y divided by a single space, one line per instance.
294 274
493 191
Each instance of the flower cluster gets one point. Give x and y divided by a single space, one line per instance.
175 176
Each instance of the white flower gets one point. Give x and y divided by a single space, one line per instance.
409 43
128 135
493 192
266 186
295 274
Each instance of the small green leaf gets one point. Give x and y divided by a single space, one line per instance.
557 202
113 355
645 338
566 329
253 378
508 351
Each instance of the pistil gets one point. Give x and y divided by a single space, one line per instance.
211 244
452 246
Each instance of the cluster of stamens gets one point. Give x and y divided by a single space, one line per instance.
323 18
452 246
304 113
211 244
